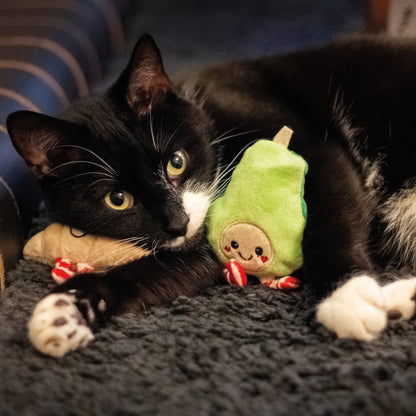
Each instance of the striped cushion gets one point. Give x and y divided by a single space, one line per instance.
50 53
51 49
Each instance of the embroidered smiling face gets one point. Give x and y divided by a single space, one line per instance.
248 244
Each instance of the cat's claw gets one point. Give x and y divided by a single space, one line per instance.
400 299
57 326
355 310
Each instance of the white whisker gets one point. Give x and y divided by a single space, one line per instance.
171 138
152 134
232 129
220 190
230 167
154 247
72 162
110 169
84 174
123 251
221 139
95 182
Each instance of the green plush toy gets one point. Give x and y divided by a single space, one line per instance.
257 226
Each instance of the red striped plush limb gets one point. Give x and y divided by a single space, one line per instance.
235 274
64 269
284 283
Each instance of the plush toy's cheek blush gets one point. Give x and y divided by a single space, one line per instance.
264 259
227 249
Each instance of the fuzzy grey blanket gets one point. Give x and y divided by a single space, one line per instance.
250 351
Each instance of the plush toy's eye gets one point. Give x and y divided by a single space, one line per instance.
119 200
234 245
259 251
177 164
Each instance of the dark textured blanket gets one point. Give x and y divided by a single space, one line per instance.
252 351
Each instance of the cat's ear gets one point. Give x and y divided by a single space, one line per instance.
39 139
147 85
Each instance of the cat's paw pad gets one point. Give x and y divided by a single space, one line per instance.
400 297
57 326
355 310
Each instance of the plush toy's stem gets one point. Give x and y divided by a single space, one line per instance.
283 136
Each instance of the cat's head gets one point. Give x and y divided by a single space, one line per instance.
136 163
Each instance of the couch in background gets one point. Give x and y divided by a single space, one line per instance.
50 53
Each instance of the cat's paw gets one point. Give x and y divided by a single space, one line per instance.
355 310
57 326
400 297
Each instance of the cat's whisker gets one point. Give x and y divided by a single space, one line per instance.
219 140
110 168
171 138
73 162
84 174
124 252
152 133
230 167
95 182
159 135
219 191
130 240
231 130
154 247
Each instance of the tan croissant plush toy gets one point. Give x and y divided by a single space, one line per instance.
70 251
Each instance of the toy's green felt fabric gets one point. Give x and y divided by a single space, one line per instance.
266 190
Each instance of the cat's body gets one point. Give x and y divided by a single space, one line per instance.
351 106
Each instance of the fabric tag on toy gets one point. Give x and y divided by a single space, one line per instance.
65 269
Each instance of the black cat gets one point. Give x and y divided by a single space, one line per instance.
142 164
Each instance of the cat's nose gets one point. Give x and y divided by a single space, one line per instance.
178 225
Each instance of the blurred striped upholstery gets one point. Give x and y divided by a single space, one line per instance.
50 52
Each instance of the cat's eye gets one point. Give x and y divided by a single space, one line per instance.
119 200
177 164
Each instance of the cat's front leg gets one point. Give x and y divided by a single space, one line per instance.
66 318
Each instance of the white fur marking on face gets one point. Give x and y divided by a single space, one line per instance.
355 310
196 205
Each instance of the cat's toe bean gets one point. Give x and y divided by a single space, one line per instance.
57 326
400 297
355 310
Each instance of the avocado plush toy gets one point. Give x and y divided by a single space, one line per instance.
257 226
